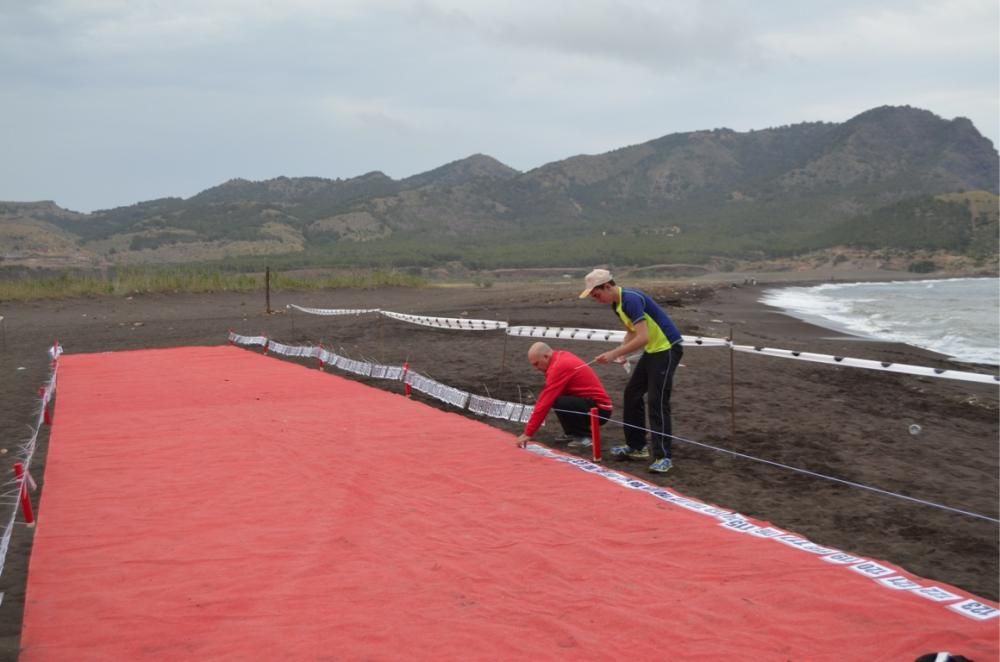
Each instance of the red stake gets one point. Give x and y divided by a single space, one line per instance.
595 433
406 385
29 517
46 415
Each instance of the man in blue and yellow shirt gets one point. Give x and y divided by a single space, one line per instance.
648 327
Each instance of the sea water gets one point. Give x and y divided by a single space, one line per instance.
957 317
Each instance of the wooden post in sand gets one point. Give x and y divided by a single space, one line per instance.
732 384
267 288
503 360
381 344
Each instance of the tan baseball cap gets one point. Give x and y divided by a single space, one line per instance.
595 278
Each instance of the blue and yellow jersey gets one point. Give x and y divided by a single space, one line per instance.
635 306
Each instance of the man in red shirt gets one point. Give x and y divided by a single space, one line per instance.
572 388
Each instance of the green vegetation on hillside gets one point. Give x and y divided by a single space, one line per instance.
947 223
151 280
887 178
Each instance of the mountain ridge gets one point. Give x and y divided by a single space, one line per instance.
691 195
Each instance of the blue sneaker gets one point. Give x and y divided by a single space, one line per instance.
661 466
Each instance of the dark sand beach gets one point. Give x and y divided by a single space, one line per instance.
849 423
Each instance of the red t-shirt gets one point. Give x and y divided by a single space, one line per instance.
567 374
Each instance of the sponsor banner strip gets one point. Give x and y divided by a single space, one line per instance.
510 411
362 368
435 389
247 340
292 350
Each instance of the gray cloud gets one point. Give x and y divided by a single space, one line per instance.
109 102
661 36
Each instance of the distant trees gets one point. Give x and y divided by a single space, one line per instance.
922 267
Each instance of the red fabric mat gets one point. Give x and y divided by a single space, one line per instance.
212 503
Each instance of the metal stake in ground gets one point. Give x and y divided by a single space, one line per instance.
732 385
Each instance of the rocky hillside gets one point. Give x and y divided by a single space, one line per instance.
685 196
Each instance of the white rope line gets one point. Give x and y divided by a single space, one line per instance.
333 311
501 409
12 487
802 471
608 335
735 522
599 335
448 322
885 366
567 333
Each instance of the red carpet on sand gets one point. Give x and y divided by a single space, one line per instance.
216 504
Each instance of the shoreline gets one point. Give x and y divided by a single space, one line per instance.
738 313
977 344
818 277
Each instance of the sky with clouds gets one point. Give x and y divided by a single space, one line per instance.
106 103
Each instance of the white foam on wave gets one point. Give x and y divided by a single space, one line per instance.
955 317
813 305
